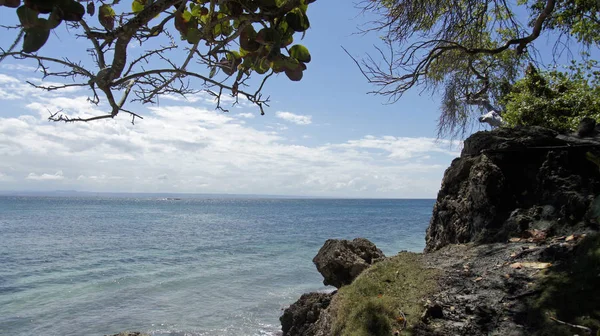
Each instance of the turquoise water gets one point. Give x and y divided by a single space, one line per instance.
94 266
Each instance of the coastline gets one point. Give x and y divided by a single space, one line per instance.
512 249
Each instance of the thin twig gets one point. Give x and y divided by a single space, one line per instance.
576 326
4 54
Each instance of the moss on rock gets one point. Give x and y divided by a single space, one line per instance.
378 300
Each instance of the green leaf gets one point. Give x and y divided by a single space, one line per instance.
226 30
193 35
27 16
138 5
180 24
12 3
297 20
294 75
268 36
91 8
233 56
227 66
233 8
72 10
217 30
268 4
106 16
300 53
41 6
262 67
199 11
55 19
34 39
248 39
187 16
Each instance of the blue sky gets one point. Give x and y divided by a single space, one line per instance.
322 136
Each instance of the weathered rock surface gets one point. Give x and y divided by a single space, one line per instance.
508 181
299 318
532 185
497 289
341 261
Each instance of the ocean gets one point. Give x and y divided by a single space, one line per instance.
203 266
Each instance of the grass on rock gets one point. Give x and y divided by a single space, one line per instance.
375 302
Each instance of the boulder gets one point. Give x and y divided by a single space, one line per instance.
507 181
341 261
299 319
130 333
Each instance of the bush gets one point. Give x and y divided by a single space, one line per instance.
554 99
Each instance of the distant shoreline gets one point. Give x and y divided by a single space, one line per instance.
92 194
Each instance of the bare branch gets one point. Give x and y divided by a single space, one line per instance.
576 326
12 47
99 54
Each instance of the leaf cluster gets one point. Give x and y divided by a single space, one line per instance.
230 39
555 99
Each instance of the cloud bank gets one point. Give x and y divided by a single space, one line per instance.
200 150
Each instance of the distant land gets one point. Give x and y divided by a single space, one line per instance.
76 193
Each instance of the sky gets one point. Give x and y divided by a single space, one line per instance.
323 136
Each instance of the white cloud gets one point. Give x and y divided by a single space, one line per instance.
18 67
246 115
194 149
294 118
45 177
402 147
199 150
5 79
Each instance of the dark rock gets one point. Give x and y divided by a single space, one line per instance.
510 180
587 127
433 311
130 333
341 261
509 138
299 318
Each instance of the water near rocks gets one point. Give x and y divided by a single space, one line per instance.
205 266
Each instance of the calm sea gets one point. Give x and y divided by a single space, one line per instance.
95 266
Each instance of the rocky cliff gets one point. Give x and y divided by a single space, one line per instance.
513 181
512 249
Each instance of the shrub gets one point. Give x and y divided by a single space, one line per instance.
554 99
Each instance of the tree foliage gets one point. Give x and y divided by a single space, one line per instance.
223 42
469 51
554 99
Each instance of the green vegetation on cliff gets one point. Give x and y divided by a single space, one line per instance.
378 300
554 99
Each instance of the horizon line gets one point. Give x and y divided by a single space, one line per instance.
187 195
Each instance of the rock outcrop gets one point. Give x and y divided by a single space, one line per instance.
510 181
341 261
513 249
299 318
